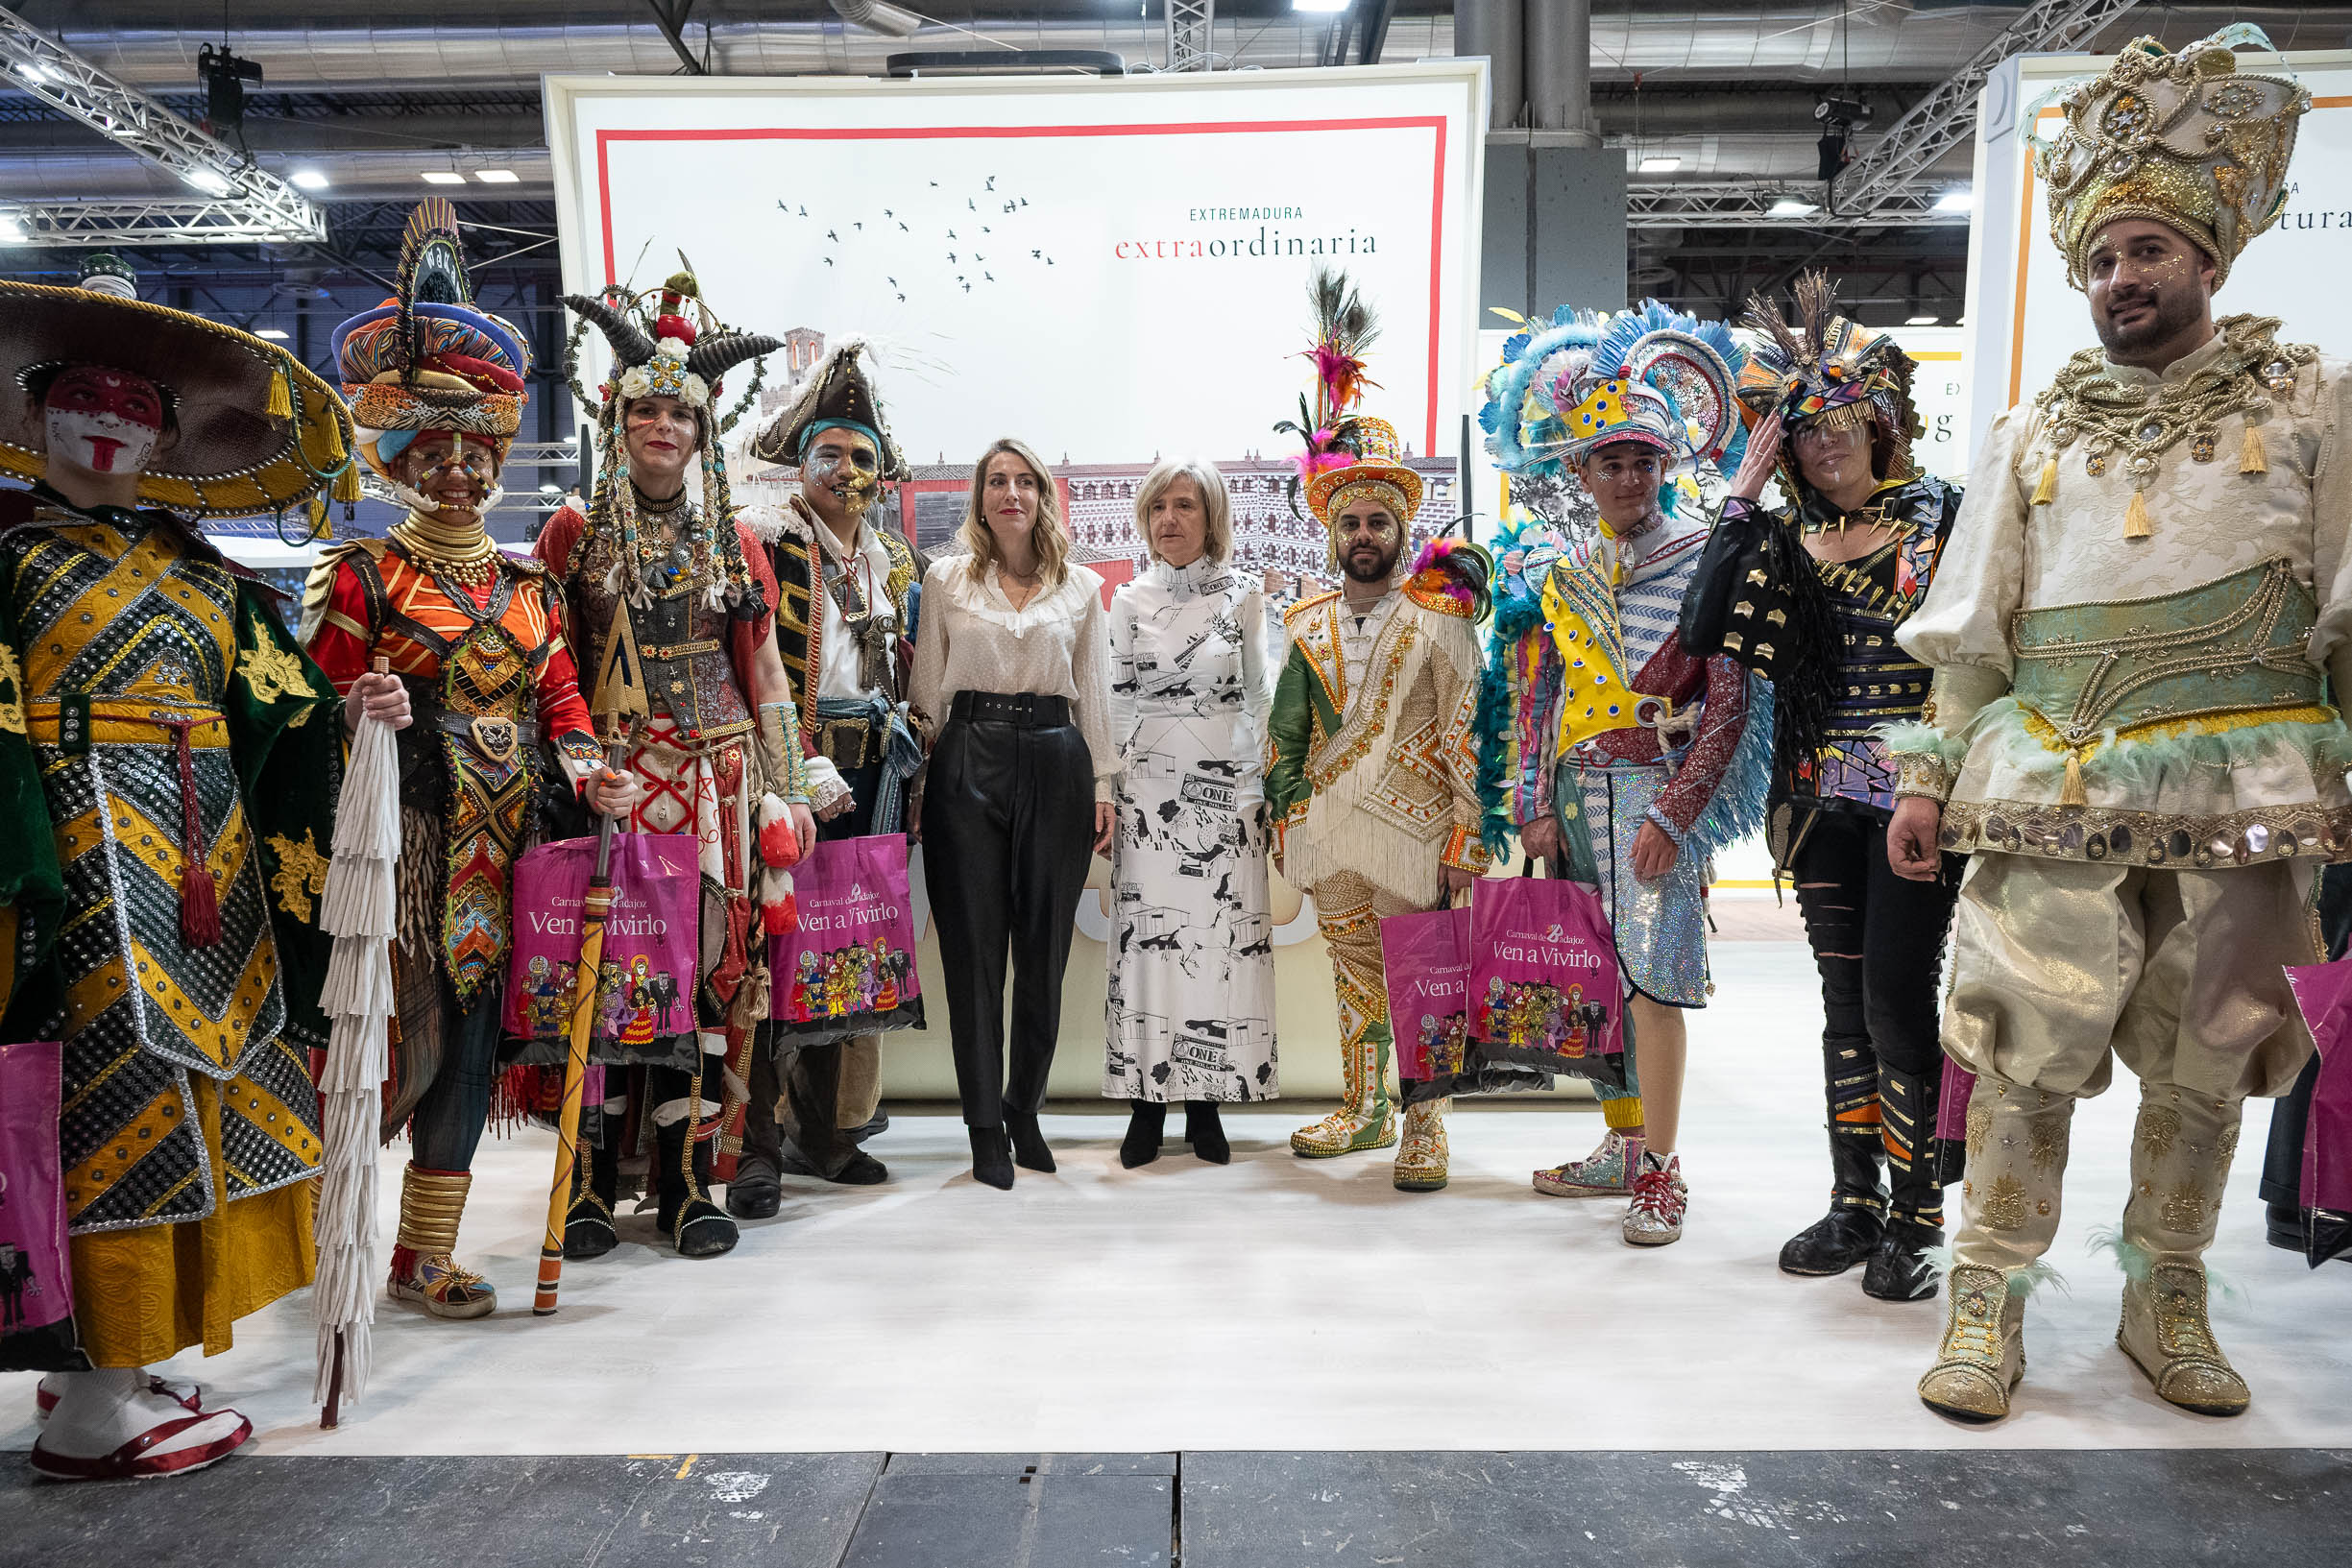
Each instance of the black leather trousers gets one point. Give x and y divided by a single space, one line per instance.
1008 832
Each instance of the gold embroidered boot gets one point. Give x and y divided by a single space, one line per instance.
1421 1159
423 1267
2017 1148
1366 1118
2180 1157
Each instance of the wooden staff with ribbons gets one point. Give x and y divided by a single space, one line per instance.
619 704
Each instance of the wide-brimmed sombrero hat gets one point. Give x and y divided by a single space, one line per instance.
1379 471
233 457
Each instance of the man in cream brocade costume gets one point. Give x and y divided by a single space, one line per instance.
2132 633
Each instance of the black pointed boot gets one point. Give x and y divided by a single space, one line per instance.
696 1226
588 1224
1205 1130
1147 1121
1899 1269
1849 1233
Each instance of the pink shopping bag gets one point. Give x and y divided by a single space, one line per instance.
1426 958
37 1292
1952 1095
2324 994
649 938
850 967
1546 989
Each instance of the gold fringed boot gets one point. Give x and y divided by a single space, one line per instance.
1420 1158
1366 1117
2181 1149
425 1267
2017 1148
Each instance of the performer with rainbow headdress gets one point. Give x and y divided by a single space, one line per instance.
1605 745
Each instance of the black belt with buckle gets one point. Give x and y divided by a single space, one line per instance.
847 741
492 735
1026 710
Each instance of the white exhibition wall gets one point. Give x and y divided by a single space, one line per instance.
1109 268
2024 320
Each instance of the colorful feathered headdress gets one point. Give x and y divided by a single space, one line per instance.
1649 376
1330 431
1828 367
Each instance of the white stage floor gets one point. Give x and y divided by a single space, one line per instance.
1285 1304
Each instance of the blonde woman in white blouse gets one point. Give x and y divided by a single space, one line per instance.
1010 666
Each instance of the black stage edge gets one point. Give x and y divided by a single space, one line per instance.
2008 1508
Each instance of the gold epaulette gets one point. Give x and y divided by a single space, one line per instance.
1312 601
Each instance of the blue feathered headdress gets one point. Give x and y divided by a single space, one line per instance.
1693 364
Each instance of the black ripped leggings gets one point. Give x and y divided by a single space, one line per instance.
1877 940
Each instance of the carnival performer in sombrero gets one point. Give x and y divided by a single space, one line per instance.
151 703
1843 564
659 571
475 638
2134 632
1607 745
1371 775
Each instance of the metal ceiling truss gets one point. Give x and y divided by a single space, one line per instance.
1711 203
1884 187
239 203
1191 28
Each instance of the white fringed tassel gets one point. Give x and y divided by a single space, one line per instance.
357 910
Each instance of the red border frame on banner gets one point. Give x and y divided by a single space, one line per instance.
1434 123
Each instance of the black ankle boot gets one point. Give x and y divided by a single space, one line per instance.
757 1191
1848 1233
1147 1121
1899 1269
1207 1132
1029 1150
696 1226
588 1224
991 1157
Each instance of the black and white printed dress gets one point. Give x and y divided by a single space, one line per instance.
1192 968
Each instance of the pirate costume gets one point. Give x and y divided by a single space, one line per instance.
152 703
2133 635
1595 713
476 636
1823 632
676 595
842 623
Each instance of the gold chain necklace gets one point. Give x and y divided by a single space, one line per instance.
460 551
2139 423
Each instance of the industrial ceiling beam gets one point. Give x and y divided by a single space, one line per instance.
1192 27
1948 115
1689 204
243 203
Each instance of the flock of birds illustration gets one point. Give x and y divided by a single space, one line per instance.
964 258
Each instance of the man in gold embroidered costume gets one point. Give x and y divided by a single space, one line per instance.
2144 600
1373 771
152 703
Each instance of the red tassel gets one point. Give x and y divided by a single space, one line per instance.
199 907
780 917
779 844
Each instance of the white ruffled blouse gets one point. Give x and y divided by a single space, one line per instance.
970 636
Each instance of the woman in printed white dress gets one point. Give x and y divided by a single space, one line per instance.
1190 1015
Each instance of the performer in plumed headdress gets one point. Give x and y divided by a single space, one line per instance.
169 761
436 386
659 577
1370 776
1841 565
1606 745
2134 634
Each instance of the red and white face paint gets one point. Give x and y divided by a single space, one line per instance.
106 421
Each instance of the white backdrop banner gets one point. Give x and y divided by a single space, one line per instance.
1109 269
2025 319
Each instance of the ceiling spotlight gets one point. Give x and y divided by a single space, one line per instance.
211 182
442 176
270 332
496 177
1660 163
1958 199
1791 207
1319 6
307 179
550 487
12 229
1925 321
40 70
